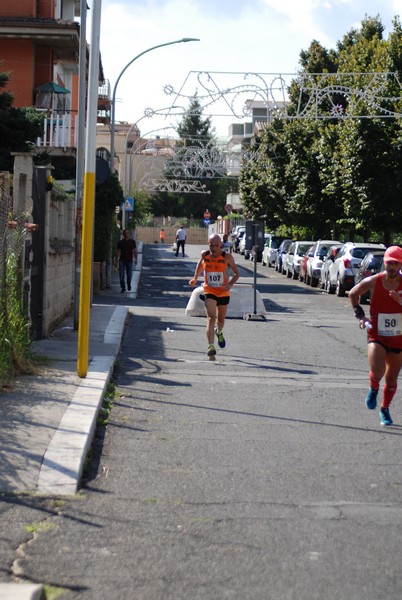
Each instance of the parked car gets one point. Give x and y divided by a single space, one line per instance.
342 273
303 263
293 257
283 248
238 236
242 243
270 251
327 262
371 264
314 264
259 251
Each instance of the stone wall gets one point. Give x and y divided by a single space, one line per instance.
58 260
59 288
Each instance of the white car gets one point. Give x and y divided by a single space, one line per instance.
291 260
341 274
271 245
315 261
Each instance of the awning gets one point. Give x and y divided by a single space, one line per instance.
52 87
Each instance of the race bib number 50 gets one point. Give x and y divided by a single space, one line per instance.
390 325
215 279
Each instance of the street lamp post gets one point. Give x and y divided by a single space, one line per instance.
112 128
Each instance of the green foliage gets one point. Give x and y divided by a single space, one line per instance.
19 128
194 131
108 195
15 345
339 177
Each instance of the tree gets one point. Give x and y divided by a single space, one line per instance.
19 127
344 174
194 160
108 195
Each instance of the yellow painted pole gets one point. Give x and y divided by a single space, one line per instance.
89 196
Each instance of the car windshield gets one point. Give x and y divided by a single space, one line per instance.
359 252
376 260
303 248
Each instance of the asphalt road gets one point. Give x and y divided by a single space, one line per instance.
261 476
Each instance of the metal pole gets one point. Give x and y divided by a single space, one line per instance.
80 157
89 196
113 109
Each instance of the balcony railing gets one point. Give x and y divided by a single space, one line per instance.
59 130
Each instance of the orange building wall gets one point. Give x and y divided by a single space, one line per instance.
27 8
46 8
43 65
22 8
17 59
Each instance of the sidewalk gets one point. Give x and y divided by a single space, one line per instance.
48 420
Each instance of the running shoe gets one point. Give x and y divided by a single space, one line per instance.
371 399
221 339
211 352
385 416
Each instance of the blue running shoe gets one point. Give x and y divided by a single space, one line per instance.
221 339
385 416
371 399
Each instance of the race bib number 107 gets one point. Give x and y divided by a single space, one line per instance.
215 279
390 325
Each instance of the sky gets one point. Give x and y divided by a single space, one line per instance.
236 37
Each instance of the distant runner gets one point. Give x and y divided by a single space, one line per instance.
216 264
384 329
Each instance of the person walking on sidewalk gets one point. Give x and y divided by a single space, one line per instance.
126 252
162 236
180 239
384 329
216 265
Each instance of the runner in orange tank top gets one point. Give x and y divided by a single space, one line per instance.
216 265
384 329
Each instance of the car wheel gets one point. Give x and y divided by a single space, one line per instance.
288 273
313 282
295 275
340 290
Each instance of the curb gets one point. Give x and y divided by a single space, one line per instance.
63 462
21 591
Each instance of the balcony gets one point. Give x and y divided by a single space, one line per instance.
59 130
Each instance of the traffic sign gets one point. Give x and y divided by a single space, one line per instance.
128 204
207 214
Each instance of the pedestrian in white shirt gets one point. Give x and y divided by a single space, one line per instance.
180 239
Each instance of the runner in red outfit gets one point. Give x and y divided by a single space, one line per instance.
384 329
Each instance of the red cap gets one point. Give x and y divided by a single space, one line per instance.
393 254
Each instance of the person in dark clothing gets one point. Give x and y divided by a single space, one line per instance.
180 240
126 252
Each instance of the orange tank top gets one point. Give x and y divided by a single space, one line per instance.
215 274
